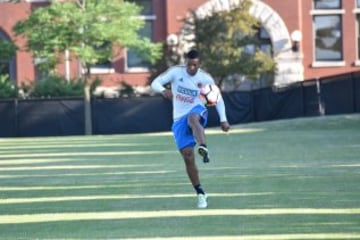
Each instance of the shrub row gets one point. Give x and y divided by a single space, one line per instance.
51 86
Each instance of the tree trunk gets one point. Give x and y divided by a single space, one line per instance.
87 105
87 110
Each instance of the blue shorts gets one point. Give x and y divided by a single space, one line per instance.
182 131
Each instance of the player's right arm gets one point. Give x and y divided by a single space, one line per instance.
160 81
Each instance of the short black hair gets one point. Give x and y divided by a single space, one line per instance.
192 54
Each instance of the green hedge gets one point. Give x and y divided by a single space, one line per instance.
7 88
51 86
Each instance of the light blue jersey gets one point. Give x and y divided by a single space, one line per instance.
185 88
186 99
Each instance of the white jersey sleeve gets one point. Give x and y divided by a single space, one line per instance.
220 105
158 84
220 108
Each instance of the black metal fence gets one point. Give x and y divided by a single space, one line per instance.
60 117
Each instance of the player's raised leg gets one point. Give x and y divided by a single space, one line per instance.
199 135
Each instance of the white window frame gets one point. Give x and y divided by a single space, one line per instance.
102 70
96 69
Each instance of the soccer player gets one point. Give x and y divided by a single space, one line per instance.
190 114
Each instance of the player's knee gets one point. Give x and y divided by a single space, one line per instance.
188 155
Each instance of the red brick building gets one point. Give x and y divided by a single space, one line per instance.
327 32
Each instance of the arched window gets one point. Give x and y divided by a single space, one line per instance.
7 63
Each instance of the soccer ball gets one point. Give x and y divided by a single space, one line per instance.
210 94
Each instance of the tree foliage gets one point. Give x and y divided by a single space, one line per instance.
90 29
222 38
7 87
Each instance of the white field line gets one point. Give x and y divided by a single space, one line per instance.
298 236
34 161
83 216
352 146
88 139
214 130
57 145
345 165
67 167
111 197
120 153
13 176
81 139
80 187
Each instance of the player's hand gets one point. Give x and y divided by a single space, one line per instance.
167 94
225 126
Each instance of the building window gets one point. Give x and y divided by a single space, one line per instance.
265 41
41 72
327 19
328 38
4 67
37 1
134 62
7 62
327 4
357 11
260 41
104 65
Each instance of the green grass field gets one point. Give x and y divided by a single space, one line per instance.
288 179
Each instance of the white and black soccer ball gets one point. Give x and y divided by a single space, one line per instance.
210 94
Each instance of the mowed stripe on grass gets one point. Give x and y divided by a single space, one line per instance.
80 216
293 179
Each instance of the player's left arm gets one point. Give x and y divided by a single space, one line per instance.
220 108
220 105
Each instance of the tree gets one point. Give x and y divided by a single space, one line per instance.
91 30
222 38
